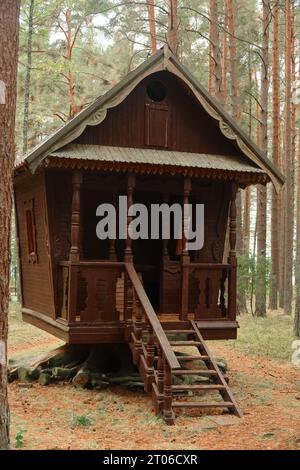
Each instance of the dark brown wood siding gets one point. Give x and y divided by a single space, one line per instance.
37 284
187 126
59 199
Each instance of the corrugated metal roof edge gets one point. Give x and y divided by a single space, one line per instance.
141 156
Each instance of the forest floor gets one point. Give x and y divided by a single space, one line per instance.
262 378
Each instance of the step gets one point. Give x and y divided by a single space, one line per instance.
185 343
194 372
174 332
198 387
200 404
192 358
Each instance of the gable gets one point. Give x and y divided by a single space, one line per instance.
176 122
163 60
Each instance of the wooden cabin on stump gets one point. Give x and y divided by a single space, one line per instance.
156 137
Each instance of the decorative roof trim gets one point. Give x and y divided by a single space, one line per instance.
244 178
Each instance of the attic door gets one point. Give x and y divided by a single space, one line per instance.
157 115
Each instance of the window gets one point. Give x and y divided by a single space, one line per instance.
156 91
30 231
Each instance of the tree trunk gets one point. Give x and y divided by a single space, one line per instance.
273 300
173 26
232 55
297 271
152 25
28 78
288 248
261 290
216 72
9 20
224 55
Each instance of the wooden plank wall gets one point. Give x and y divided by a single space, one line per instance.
37 283
190 129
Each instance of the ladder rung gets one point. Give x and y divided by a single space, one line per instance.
192 358
200 404
198 387
194 372
174 332
185 343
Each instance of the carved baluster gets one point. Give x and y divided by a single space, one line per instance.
222 292
128 258
138 332
159 405
75 218
185 258
150 349
128 306
168 412
232 255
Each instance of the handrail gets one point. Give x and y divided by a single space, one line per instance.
210 265
92 264
152 318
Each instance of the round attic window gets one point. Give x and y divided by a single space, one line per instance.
156 91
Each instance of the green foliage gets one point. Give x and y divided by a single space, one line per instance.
20 438
81 420
250 267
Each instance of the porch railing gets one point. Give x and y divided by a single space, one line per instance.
212 291
98 291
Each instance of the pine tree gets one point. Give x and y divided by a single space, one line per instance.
9 20
152 25
288 248
273 301
260 305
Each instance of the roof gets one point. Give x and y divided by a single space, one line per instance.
164 59
155 157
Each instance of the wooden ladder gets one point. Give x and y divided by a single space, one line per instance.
160 368
211 370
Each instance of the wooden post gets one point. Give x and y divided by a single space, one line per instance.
149 357
128 258
72 293
128 305
75 218
138 332
112 242
160 382
232 255
168 413
185 258
165 253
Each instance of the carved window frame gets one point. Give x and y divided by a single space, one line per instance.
30 227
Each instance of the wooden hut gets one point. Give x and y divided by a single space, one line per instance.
156 137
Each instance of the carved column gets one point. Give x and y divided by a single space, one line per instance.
75 246
232 254
165 253
128 258
75 218
112 242
185 258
